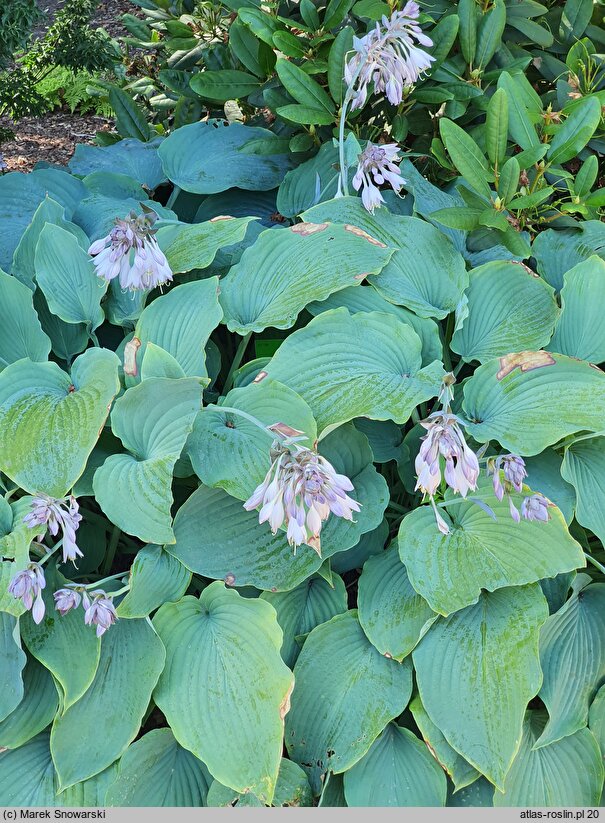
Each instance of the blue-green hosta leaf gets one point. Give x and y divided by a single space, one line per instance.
544 475
367 299
153 421
251 158
450 571
464 668
556 251
292 789
67 339
157 362
35 711
460 770
66 275
194 246
21 334
24 266
360 365
225 689
13 662
430 284
584 467
530 400
156 577
89 792
49 421
509 308
572 655
59 641
596 718
180 322
398 770
96 730
566 773
384 436
133 157
299 611
156 771
579 332
345 693
284 270
229 451
393 616
478 793
27 776
370 544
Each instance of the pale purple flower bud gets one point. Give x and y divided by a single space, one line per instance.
536 507
27 586
377 165
131 252
100 612
445 440
66 599
55 514
301 490
514 511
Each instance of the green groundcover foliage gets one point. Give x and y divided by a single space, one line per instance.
302 435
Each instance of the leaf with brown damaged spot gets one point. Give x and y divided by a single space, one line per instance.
130 356
307 229
524 360
361 233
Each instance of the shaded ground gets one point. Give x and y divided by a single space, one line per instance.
53 136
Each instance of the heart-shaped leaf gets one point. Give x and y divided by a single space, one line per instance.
156 577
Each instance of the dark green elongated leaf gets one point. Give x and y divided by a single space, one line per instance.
489 33
245 46
345 694
27 776
467 13
153 421
13 662
195 246
521 127
398 770
263 25
496 126
467 156
284 270
342 44
462 218
579 332
443 36
567 773
576 16
130 119
575 132
523 312
323 363
463 669
393 616
530 201
21 334
94 732
288 44
156 771
509 179
66 275
35 711
530 400
299 611
431 286
49 421
57 641
223 85
460 770
450 571
306 115
572 656
156 577
225 689
303 88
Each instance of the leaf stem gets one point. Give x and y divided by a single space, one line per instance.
594 562
235 363
111 551
104 580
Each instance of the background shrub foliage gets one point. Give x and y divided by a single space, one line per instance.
402 665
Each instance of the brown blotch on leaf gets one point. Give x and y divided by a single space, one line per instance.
525 361
284 706
283 428
130 357
307 229
71 389
361 233
220 217
260 376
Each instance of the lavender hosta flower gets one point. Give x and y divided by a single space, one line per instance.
100 612
445 440
27 586
536 507
388 56
54 514
377 165
513 469
66 599
131 252
301 489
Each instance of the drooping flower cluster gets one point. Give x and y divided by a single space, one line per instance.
508 473
535 507
445 440
377 165
301 489
388 56
99 611
27 586
131 252
54 514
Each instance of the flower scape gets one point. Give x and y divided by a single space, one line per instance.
302 417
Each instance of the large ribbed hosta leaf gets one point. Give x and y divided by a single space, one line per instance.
476 672
50 421
21 334
530 400
361 365
225 688
284 270
27 776
156 577
584 467
579 332
35 711
13 662
190 246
